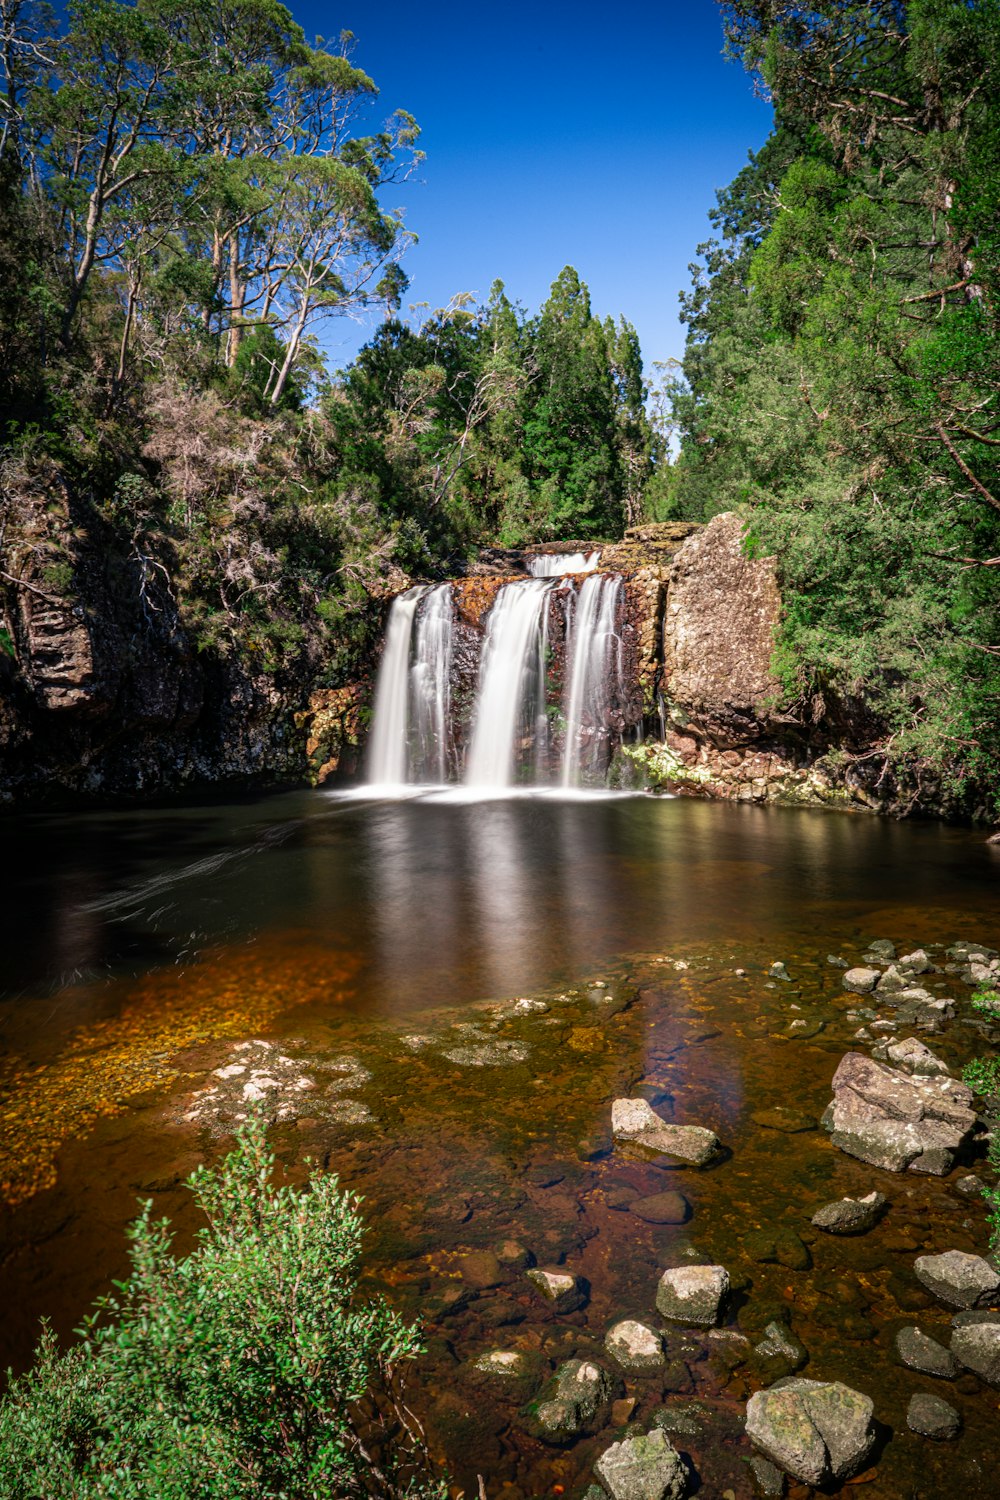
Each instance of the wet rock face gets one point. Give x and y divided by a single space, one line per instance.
718 635
647 1467
895 1121
816 1431
959 1279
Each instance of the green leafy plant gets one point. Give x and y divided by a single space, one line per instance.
247 1369
982 1076
986 1001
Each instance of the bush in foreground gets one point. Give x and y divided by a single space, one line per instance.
247 1369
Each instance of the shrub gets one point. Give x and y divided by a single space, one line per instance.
247 1369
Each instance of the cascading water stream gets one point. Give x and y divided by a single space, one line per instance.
559 564
430 686
595 686
510 698
388 752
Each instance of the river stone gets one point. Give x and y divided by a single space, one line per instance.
492 1054
563 1291
891 981
860 981
913 1057
779 1352
883 950
779 1246
768 1480
634 1346
897 1122
850 1215
932 1417
918 1351
693 1294
816 1431
959 1279
508 1364
635 1121
976 1346
662 1208
647 1467
481 1269
576 1400
916 962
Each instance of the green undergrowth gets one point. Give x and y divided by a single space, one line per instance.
247 1369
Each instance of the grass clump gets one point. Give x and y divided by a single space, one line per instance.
247 1369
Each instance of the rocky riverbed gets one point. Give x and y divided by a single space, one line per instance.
704 1222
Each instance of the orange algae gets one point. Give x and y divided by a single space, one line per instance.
106 1066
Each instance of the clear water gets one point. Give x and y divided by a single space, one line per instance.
144 948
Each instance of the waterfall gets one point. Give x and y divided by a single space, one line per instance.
412 713
595 687
430 686
510 697
558 564
388 751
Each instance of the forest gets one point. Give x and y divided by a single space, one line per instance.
189 197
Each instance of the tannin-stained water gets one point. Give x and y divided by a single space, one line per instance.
360 945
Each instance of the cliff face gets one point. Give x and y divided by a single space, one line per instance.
103 692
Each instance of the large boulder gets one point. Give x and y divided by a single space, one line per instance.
636 1122
816 1431
647 1467
898 1122
576 1400
960 1279
693 1294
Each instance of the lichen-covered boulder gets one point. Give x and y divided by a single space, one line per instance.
897 1122
646 1467
576 1400
693 1294
635 1346
817 1431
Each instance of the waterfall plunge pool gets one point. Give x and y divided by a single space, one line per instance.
343 958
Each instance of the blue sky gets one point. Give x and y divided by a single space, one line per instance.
556 134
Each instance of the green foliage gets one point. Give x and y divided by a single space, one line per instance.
842 373
982 1076
249 1368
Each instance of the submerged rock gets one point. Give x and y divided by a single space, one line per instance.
816 1431
491 1054
932 1417
693 1294
780 1348
850 1215
780 1246
576 1400
647 1467
976 1346
635 1346
662 1208
791 1121
960 1279
563 1291
636 1122
897 1122
918 1351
